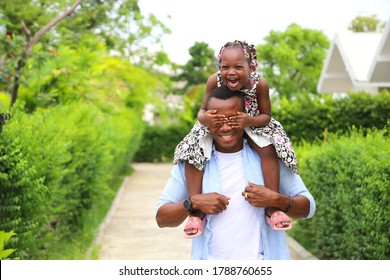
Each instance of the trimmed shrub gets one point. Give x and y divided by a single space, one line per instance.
54 167
349 178
308 116
159 143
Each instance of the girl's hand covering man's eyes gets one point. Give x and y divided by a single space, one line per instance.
239 121
214 120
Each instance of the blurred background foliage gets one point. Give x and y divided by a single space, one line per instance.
87 98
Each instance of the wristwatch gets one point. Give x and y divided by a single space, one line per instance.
187 204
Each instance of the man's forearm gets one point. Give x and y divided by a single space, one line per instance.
171 214
260 196
299 208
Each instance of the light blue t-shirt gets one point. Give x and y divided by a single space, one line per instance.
273 243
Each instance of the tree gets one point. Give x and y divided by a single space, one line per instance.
292 60
117 23
30 37
366 24
202 64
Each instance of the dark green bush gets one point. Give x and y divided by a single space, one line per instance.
54 167
350 179
159 143
27 159
304 119
307 117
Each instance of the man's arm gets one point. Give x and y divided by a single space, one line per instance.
170 211
300 207
262 197
292 185
173 214
303 203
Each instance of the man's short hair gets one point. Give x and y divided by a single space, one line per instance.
224 93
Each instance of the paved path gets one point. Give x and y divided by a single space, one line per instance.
130 231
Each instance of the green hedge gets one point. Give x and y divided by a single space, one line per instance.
304 119
54 167
159 143
349 178
307 117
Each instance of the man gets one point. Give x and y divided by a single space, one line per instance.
233 197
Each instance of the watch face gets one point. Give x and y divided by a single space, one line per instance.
187 205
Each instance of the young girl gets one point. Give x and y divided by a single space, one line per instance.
237 63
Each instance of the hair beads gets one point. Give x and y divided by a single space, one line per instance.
249 52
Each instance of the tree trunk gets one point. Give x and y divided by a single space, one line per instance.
31 41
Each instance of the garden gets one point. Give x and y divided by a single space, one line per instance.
73 99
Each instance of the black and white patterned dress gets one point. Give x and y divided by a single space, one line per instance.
190 148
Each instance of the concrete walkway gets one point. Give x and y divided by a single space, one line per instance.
130 232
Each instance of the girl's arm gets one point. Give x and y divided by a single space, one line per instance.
210 118
264 103
210 85
243 120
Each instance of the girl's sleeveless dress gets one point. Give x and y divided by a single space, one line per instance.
195 144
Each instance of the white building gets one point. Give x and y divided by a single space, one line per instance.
357 61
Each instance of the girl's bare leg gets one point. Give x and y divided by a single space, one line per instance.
271 173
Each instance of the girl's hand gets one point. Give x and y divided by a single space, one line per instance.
241 120
213 120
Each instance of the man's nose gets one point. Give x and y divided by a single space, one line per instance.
225 127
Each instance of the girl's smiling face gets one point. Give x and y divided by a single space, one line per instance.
235 68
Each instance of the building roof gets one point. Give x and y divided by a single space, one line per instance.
357 61
380 68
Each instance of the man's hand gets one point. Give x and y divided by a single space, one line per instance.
210 203
259 196
213 120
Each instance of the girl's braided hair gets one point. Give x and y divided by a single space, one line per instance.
249 52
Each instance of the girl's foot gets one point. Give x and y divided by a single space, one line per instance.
194 227
278 220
